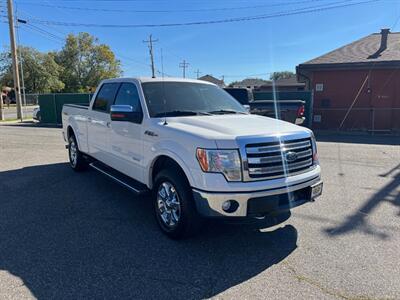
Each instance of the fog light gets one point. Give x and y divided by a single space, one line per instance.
230 206
226 205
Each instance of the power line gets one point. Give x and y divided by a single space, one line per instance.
42 34
29 15
60 40
395 23
306 10
131 59
197 72
54 36
40 30
170 10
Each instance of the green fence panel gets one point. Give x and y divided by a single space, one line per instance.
62 99
306 96
51 105
47 109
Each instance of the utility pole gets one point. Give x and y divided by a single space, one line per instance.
17 88
150 42
184 66
23 94
197 73
1 107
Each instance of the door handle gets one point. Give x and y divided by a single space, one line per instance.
108 124
89 119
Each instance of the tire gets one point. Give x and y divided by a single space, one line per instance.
181 205
76 159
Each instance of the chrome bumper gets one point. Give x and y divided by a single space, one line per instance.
209 204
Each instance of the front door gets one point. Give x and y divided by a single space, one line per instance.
126 136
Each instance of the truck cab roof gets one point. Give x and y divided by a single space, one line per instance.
156 79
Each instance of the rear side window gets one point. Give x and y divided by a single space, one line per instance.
128 95
105 97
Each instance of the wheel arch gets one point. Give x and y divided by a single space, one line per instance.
70 131
162 162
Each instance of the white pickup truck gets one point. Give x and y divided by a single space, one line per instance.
195 148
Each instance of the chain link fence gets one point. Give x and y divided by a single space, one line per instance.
371 119
30 99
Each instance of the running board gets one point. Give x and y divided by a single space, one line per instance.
127 182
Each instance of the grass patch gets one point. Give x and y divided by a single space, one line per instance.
15 119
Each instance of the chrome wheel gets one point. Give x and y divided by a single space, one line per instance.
73 152
168 204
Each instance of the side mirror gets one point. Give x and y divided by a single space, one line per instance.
125 113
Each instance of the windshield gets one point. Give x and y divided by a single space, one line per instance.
188 97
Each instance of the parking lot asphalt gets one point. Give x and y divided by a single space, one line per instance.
67 235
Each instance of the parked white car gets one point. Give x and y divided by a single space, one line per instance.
198 151
36 114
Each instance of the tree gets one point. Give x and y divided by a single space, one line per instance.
85 63
282 75
233 83
41 72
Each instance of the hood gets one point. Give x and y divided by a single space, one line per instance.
233 126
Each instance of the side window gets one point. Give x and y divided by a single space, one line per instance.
105 97
128 95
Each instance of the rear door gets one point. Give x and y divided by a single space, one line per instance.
126 136
99 122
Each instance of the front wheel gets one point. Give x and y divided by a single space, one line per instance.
76 159
174 206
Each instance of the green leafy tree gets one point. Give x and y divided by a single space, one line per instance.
41 72
85 63
282 75
233 83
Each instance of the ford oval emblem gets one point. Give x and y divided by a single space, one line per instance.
291 156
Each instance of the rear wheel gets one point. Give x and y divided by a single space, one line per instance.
76 159
174 206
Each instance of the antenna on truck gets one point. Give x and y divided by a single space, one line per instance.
163 89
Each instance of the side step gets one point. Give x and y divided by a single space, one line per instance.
131 184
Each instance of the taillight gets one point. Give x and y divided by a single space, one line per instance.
300 111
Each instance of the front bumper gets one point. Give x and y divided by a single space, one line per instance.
254 204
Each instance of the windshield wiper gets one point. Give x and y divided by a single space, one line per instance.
225 111
178 113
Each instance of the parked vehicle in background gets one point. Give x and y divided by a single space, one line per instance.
287 110
36 114
195 149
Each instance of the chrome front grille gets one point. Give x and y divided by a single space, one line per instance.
271 160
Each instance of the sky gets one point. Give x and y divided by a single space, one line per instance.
235 50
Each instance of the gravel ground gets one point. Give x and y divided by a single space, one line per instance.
67 235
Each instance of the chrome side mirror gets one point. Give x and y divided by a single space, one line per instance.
125 113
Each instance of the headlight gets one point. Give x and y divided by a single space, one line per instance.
314 150
226 162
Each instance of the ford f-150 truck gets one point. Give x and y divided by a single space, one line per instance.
194 148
